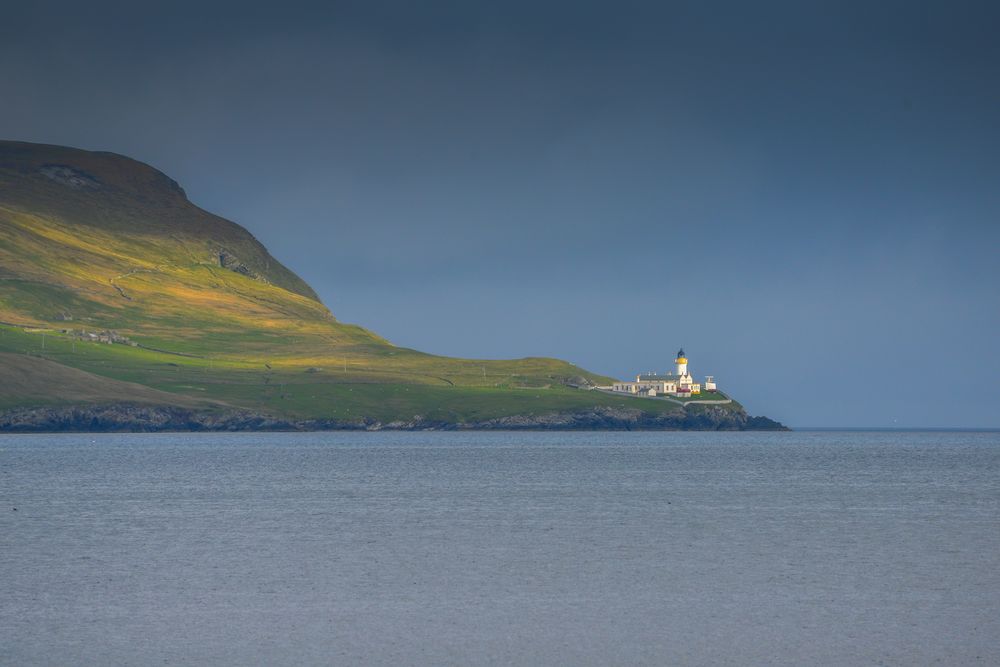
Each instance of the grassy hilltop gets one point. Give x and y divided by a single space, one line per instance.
207 320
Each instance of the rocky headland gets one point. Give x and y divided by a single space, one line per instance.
125 417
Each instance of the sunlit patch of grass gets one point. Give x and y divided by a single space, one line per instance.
325 387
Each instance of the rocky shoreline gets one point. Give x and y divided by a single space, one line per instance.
122 417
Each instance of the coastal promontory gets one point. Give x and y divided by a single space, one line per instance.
125 307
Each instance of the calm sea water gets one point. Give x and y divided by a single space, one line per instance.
500 548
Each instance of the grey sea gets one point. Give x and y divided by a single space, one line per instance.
803 548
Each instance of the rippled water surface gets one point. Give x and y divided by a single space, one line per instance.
518 548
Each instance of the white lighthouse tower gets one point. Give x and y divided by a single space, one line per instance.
682 363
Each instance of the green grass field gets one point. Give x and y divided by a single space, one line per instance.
381 393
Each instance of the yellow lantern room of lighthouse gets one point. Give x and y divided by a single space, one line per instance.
685 383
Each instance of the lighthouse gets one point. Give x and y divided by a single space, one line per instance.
682 363
681 385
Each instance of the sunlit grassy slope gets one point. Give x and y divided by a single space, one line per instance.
95 241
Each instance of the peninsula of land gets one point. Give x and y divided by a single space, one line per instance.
125 307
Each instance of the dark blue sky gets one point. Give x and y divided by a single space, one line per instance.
804 195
